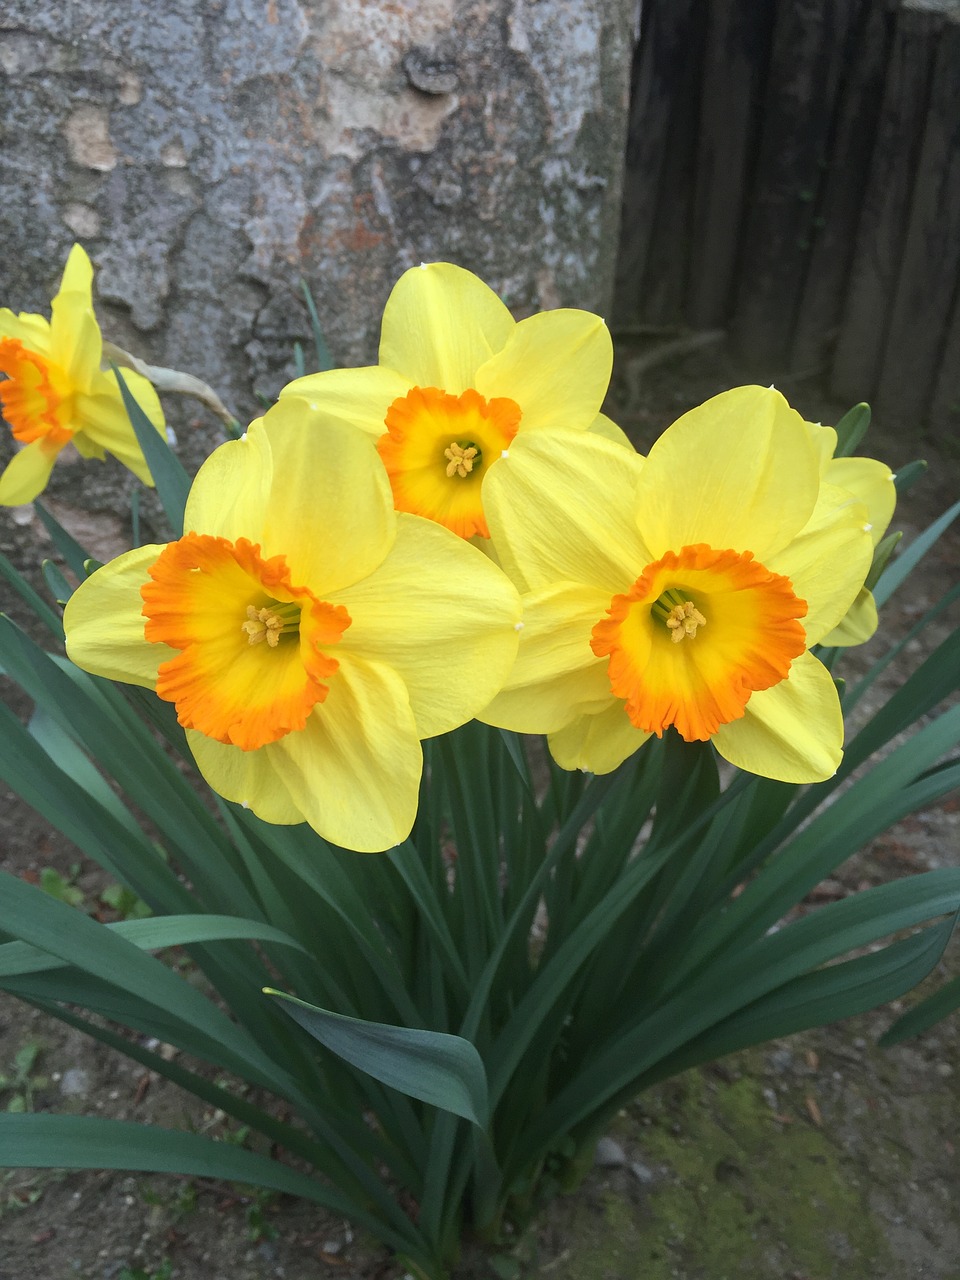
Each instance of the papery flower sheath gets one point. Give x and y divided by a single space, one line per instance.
683 590
308 634
458 379
56 394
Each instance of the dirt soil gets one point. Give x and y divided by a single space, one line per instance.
816 1157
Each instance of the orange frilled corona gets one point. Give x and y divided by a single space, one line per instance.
253 659
695 636
436 449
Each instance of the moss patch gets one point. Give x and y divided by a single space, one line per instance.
729 1192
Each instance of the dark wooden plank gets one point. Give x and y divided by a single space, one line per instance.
666 81
665 277
930 265
805 67
649 117
945 409
886 203
736 58
845 180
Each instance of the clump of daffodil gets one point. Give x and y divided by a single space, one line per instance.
873 483
458 380
683 590
55 392
308 634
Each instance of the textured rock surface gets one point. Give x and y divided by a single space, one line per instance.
208 155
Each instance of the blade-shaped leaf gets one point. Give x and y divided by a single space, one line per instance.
173 483
924 1015
47 1141
443 1070
152 934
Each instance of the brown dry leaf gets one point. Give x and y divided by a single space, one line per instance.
813 1111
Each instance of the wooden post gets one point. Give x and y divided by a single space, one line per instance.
805 70
736 55
846 177
930 266
886 204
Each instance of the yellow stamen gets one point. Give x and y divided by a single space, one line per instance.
268 623
683 620
460 459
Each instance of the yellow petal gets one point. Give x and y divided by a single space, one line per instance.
354 771
828 561
597 743
100 420
792 732
104 622
606 427
824 441
440 325
27 473
75 335
327 506
857 625
556 366
562 508
229 495
872 483
556 673
442 615
245 777
360 397
33 331
737 472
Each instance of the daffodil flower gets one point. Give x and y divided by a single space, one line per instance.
307 633
683 590
458 380
56 394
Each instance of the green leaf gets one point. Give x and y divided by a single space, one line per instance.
152 934
173 483
324 358
851 429
923 1016
47 1141
442 1070
824 996
47 616
74 555
881 558
908 476
900 569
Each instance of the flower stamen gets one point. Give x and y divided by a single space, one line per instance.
461 459
683 620
270 622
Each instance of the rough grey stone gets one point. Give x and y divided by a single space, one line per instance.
208 156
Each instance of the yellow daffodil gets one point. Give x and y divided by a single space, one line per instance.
56 394
682 590
873 483
308 635
458 379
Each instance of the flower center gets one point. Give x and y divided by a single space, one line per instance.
270 622
34 396
216 602
461 459
681 616
434 438
753 636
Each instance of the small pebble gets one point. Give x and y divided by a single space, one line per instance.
75 1083
642 1173
609 1154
